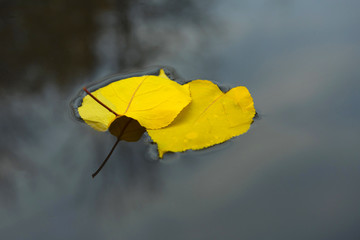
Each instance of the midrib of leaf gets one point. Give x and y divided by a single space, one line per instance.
133 95
212 103
98 101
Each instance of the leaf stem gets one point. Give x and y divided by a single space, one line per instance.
106 159
113 148
102 104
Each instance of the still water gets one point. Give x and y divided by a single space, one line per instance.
294 175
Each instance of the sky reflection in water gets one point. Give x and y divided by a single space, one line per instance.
294 175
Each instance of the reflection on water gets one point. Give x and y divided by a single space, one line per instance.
295 175
61 42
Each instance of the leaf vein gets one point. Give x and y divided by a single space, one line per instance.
133 95
203 112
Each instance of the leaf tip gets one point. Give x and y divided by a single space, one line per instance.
161 153
163 74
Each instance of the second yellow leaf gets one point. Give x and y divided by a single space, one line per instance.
212 117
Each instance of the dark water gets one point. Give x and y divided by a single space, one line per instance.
294 175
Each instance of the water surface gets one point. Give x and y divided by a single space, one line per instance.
294 175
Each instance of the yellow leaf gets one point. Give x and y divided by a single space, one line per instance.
212 117
154 101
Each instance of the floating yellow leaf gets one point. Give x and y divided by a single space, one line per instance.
154 101
212 117
127 106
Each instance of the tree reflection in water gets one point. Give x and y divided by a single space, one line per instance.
61 42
